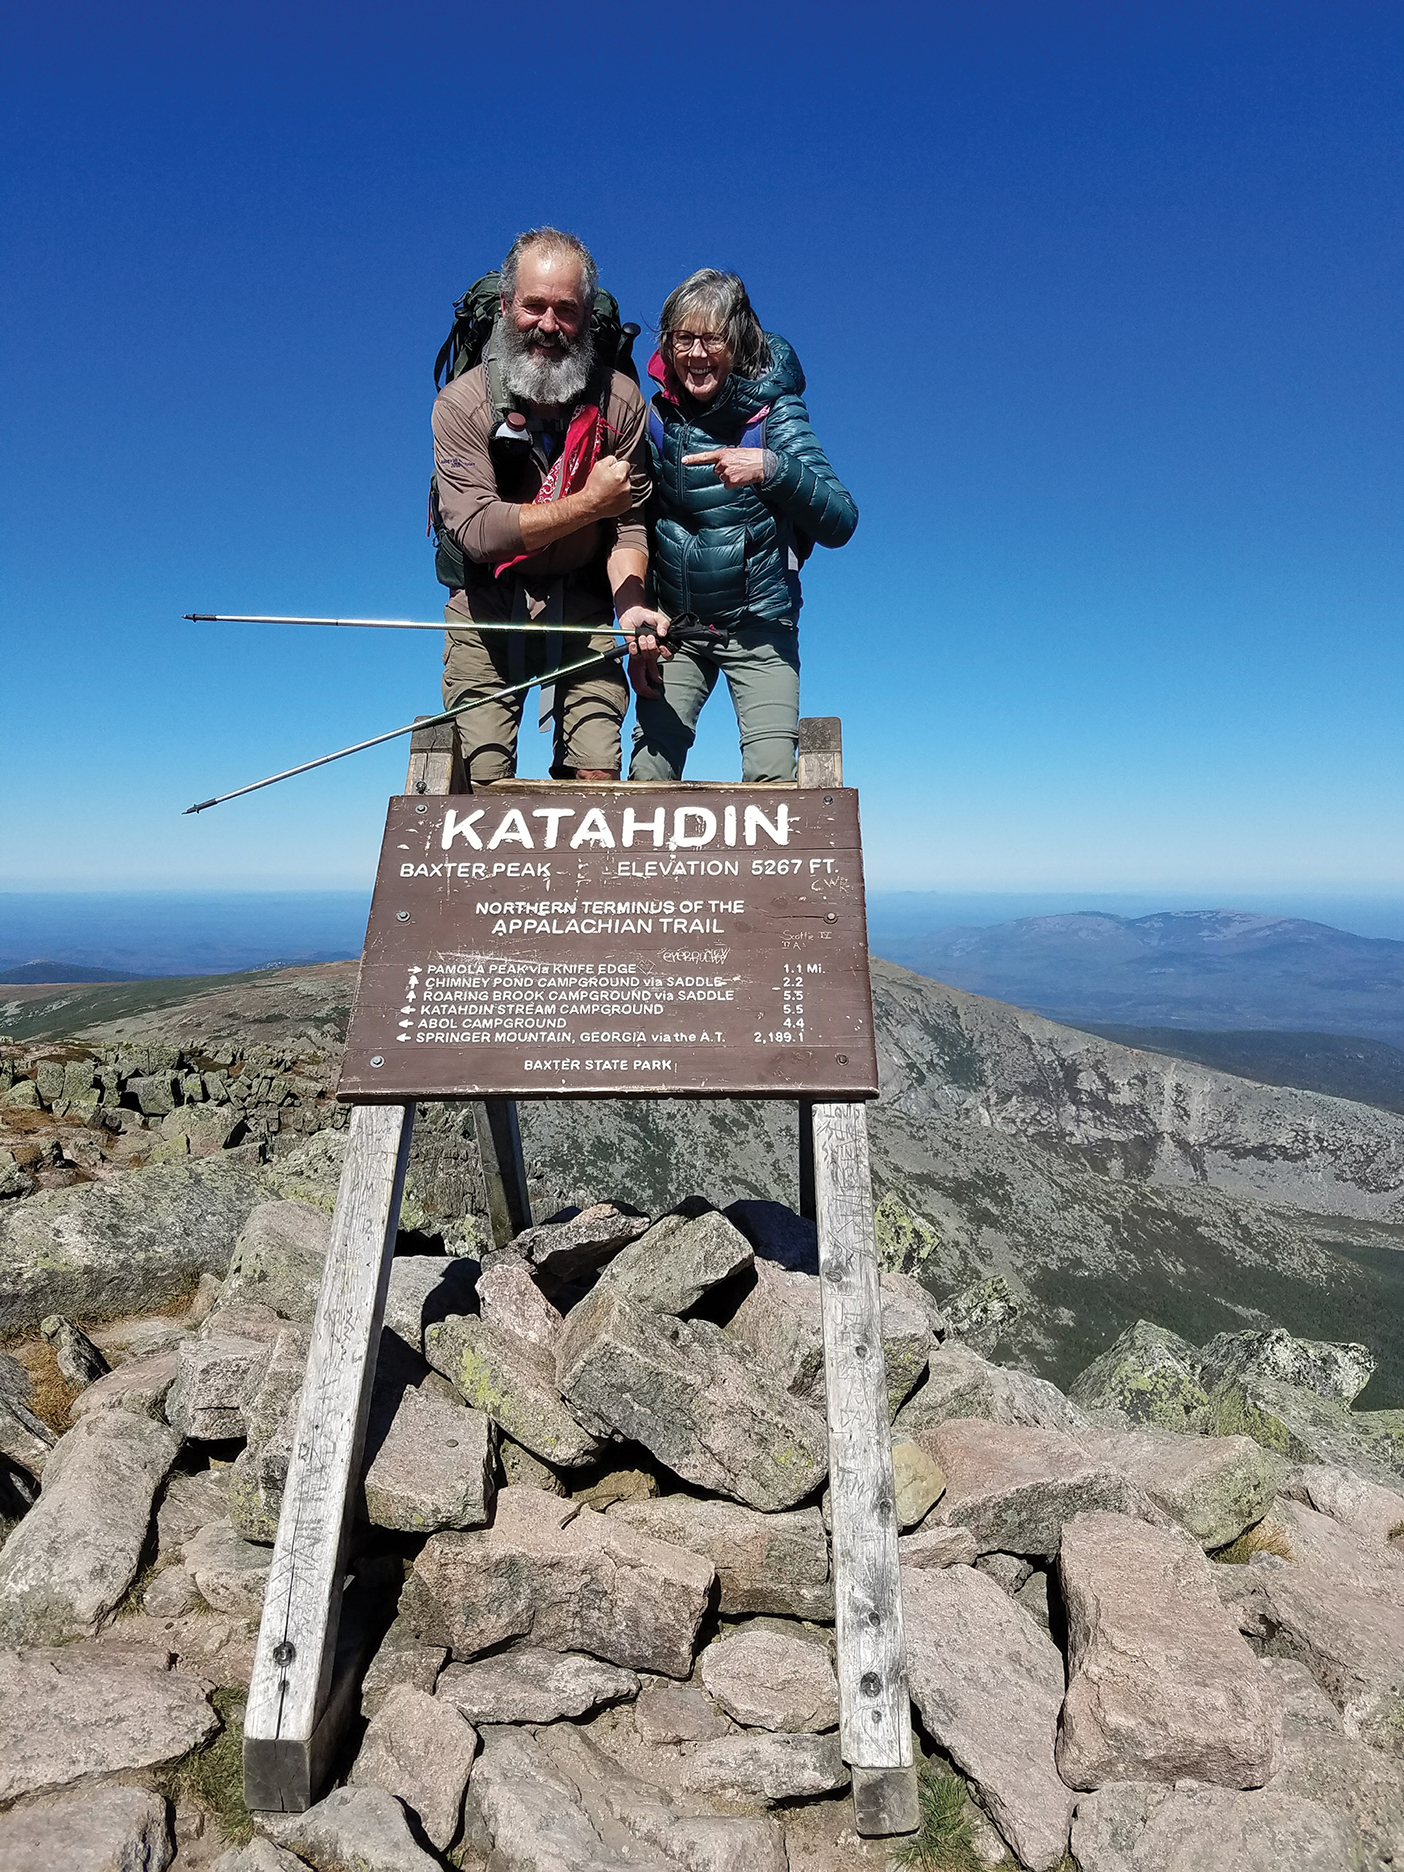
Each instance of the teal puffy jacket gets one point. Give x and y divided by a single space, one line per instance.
728 553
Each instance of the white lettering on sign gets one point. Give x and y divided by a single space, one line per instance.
513 829
454 827
693 828
756 821
633 824
592 830
706 832
553 816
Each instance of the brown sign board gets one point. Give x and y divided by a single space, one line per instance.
616 941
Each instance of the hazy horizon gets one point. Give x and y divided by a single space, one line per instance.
164 932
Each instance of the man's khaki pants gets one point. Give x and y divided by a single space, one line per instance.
588 710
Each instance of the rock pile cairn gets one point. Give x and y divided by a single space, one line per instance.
1157 1622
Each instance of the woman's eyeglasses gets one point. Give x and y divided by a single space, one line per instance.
683 343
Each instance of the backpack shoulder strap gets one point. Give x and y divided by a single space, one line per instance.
655 422
753 435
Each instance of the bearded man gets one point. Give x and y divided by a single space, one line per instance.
541 458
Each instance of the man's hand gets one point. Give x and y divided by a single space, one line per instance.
733 467
645 630
609 488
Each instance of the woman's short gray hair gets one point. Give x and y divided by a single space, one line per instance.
558 241
722 299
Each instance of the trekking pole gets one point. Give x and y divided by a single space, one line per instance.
617 654
545 630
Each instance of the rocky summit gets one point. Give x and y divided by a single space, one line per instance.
1152 1554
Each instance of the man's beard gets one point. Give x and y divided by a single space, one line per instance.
545 374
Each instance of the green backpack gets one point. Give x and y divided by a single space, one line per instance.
474 316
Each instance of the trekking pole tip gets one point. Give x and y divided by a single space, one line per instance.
199 808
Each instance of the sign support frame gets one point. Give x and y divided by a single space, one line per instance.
300 1695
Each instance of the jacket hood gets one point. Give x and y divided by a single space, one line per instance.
741 395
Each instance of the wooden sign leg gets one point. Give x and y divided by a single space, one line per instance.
875 1719
287 1746
504 1169
294 1713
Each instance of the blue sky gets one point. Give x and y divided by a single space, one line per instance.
1099 310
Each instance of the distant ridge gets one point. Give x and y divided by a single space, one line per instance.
1342 1066
1204 970
16 974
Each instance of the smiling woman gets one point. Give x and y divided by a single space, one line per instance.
742 492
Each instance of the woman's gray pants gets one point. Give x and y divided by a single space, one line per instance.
762 666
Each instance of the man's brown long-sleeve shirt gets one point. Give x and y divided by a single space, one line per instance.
485 520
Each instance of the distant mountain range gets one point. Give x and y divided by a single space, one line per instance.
15 974
1106 1184
1215 970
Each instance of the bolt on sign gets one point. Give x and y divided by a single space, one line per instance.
561 942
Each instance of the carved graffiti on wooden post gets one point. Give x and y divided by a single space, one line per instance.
616 941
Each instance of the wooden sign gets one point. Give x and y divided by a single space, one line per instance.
555 941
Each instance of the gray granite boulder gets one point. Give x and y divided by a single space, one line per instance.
529 1685
1151 1375
1331 1370
1161 1687
561 1251
425 1289
189 1503
25 1439
672 1712
230 1573
67 1716
419 1749
70 1560
100 1829
765 1562
683 1256
400 1659
512 1381
260 1855
768 1678
1214 1486
1144 1826
142 1385
1364 1507
430 1460
780 1321
938 1547
988 1684
695 1399
1299 1424
77 1358
260 1471
510 1300
103 1248
533 1818
217 1374
632 1815
1358 1783
959 1383
564 1578
759 1769
979 1314
1014 1486
1338 1608
278 1259
920 1482
353 1829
